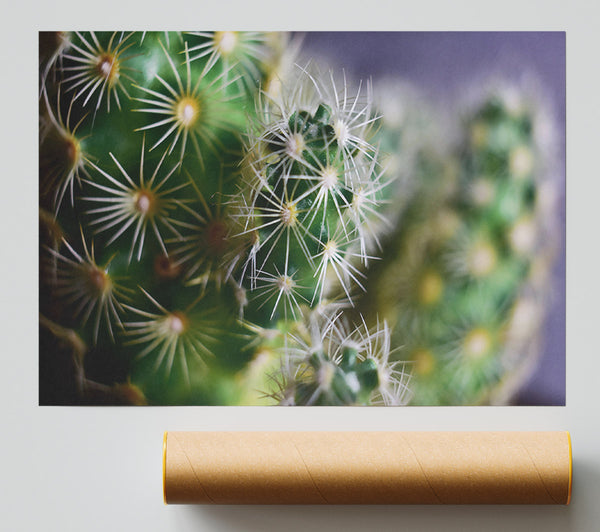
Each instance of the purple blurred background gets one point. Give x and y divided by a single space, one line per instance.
445 64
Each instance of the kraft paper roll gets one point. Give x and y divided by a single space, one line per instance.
367 467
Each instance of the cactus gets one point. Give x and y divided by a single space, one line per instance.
217 227
334 362
192 205
464 279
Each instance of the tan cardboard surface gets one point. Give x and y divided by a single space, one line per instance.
367 467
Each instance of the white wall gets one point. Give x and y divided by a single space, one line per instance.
98 469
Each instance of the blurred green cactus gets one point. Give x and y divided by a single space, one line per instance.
460 277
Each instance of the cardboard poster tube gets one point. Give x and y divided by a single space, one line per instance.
367 467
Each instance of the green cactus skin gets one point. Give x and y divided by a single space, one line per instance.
460 272
140 141
183 210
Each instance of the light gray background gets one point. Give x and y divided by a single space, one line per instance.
98 469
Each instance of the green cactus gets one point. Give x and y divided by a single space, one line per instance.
460 272
190 201
217 227
334 362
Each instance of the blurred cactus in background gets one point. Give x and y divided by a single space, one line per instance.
465 279
221 226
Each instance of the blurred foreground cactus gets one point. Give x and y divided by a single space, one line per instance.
217 227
